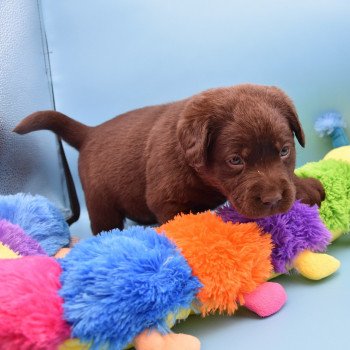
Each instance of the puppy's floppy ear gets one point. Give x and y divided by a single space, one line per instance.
194 131
286 106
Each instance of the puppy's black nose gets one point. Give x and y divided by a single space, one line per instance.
271 199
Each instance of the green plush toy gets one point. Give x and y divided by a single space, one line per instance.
334 173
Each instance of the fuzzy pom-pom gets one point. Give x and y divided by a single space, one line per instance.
31 313
334 176
14 237
39 219
326 123
297 230
229 259
120 283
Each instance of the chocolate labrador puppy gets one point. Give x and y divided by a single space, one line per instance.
234 143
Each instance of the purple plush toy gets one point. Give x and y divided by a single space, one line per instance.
298 235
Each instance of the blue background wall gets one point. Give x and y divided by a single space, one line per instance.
111 56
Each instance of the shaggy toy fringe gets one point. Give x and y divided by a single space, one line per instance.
229 259
31 313
39 219
293 232
16 239
334 175
120 283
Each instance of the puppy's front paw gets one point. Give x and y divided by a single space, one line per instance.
309 191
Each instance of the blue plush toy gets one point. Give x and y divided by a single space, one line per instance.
332 124
38 218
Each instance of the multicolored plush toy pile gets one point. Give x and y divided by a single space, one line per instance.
130 286
112 289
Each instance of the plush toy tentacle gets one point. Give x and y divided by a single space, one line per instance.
153 340
62 253
316 266
266 300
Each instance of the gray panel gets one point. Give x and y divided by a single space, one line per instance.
29 163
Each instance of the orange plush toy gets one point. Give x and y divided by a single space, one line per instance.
232 261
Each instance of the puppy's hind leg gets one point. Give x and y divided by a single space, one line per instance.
104 214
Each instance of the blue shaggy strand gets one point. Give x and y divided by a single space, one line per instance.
39 218
120 283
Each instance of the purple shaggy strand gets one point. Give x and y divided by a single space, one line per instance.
297 230
16 239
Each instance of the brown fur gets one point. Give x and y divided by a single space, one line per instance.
152 163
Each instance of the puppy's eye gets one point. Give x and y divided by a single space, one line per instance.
284 152
236 160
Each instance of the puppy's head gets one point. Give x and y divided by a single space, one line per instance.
241 141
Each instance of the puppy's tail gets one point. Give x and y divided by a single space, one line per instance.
71 131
